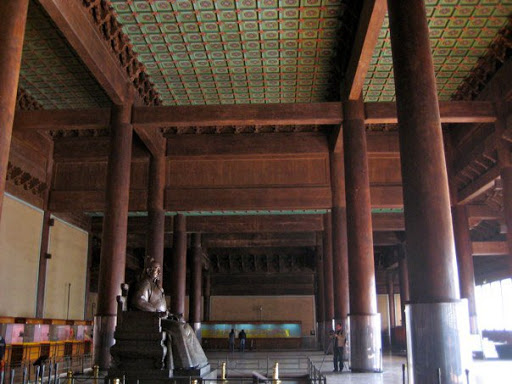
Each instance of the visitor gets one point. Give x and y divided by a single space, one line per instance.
242 337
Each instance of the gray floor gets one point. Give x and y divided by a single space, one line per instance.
482 371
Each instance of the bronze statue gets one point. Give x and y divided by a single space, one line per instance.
183 348
146 294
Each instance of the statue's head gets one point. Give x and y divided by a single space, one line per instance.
152 268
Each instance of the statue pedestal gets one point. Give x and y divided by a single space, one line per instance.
140 349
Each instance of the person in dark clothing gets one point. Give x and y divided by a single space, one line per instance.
232 340
339 339
242 337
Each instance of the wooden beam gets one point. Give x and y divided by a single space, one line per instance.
386 196
382 145
253 144
451 112
84 37
90 149
383 222
490 248
253 114
370 24
479 186
215 199
482 212
255 223
244 240
64 119
153 139
91 201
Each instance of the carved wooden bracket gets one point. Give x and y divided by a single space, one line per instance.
25 180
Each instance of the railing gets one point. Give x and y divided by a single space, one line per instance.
244 366
49 370
314 374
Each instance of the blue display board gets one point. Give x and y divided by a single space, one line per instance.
253 330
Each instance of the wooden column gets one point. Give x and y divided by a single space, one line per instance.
391 301
363 296
206 295
404 280
113 244
320 296
339 238
156 213
506 177
464 252
12 33
328 274
178 265
434 288
195 286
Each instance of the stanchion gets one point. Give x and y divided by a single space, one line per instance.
439 380
223 371
24 377
69 377
275 374
403 373
116 380
11 378
467 375
56 373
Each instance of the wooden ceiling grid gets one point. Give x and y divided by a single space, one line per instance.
51 72
460 33
226 51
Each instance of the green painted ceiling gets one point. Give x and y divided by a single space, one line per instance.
460 32
226 51
50 70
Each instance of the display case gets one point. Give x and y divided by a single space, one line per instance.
269 335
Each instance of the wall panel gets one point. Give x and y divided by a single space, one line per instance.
68 265
20 238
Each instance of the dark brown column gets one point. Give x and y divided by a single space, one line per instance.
434 287
404 280
206 295
113 244
506 178
12 33
320 296
156 213
178 265
391 299
88 276
328 275
339 238
364 320
464 251
43 258
195 286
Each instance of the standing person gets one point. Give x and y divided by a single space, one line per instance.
242 337
232 340
2 353
340 339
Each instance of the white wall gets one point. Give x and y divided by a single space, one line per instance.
68 265
20 238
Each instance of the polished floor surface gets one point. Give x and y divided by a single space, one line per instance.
482 371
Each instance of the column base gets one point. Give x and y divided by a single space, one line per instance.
104 326
365 343
438 341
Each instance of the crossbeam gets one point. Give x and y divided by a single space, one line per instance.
248 114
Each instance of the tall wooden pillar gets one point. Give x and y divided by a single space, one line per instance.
12 33
365 336
391 305
435 316
179 265
465 262
328 274
339 238
156 213
195 286
506 178
320 296
404 280
206 295
115 221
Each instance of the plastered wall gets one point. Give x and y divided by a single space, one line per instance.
247 308
66 272
20 237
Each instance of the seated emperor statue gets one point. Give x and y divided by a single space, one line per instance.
183 348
